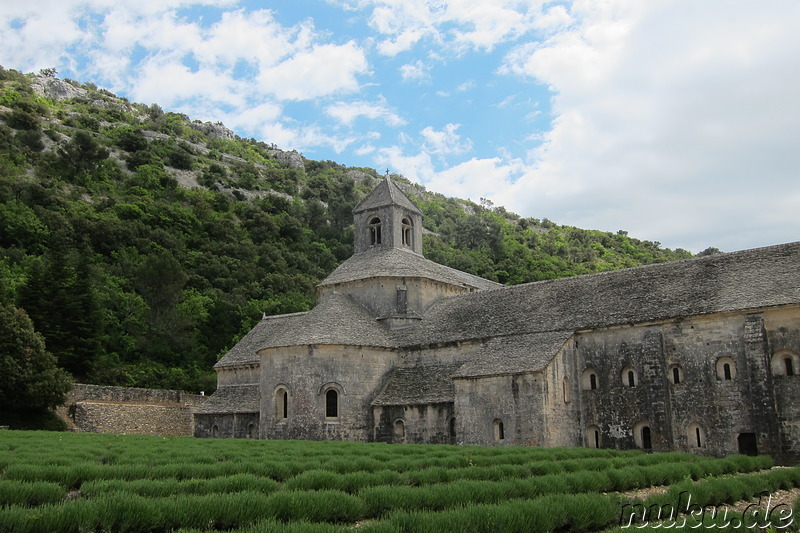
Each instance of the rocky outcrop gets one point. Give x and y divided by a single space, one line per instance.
57 89
214 130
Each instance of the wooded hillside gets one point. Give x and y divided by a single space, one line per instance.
143 244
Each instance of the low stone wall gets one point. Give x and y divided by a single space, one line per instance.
101 409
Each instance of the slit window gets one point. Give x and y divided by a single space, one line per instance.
589 379
697 437
629 377
789 364
676 374
281 404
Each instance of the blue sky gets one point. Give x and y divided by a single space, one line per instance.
675 120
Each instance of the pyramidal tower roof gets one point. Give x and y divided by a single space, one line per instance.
386 193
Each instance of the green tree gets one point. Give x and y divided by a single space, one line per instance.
82 154
31 378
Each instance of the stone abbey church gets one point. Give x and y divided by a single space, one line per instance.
700 355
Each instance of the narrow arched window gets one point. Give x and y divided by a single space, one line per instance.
407 228
647 442
676 375
252 432
698 440
589 379
643 435
565 389
331 404
281 404
374 231
215 431
785 363
629 377
726 369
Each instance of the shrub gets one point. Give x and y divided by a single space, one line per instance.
30 494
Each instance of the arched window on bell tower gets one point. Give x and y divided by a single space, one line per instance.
407 228
374 231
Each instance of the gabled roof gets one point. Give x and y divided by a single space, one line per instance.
750 279
386 193
232 399
418 385
523 326
400 262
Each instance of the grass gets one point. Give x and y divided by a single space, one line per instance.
88 482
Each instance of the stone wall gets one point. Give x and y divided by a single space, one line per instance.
415 424
682 389
230 425
306 374
103 409
500 410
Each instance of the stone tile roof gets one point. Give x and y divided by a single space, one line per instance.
417 385
386 193
245 351
338 319
749 279
525 325
516 353
233 399
399 262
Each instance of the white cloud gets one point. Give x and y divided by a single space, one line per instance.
414 71
365 149
446 141
480 178
489 23
678 118
466 86
323 70
302 137
348 112
455 23
418 167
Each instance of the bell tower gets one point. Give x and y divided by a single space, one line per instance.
386 219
